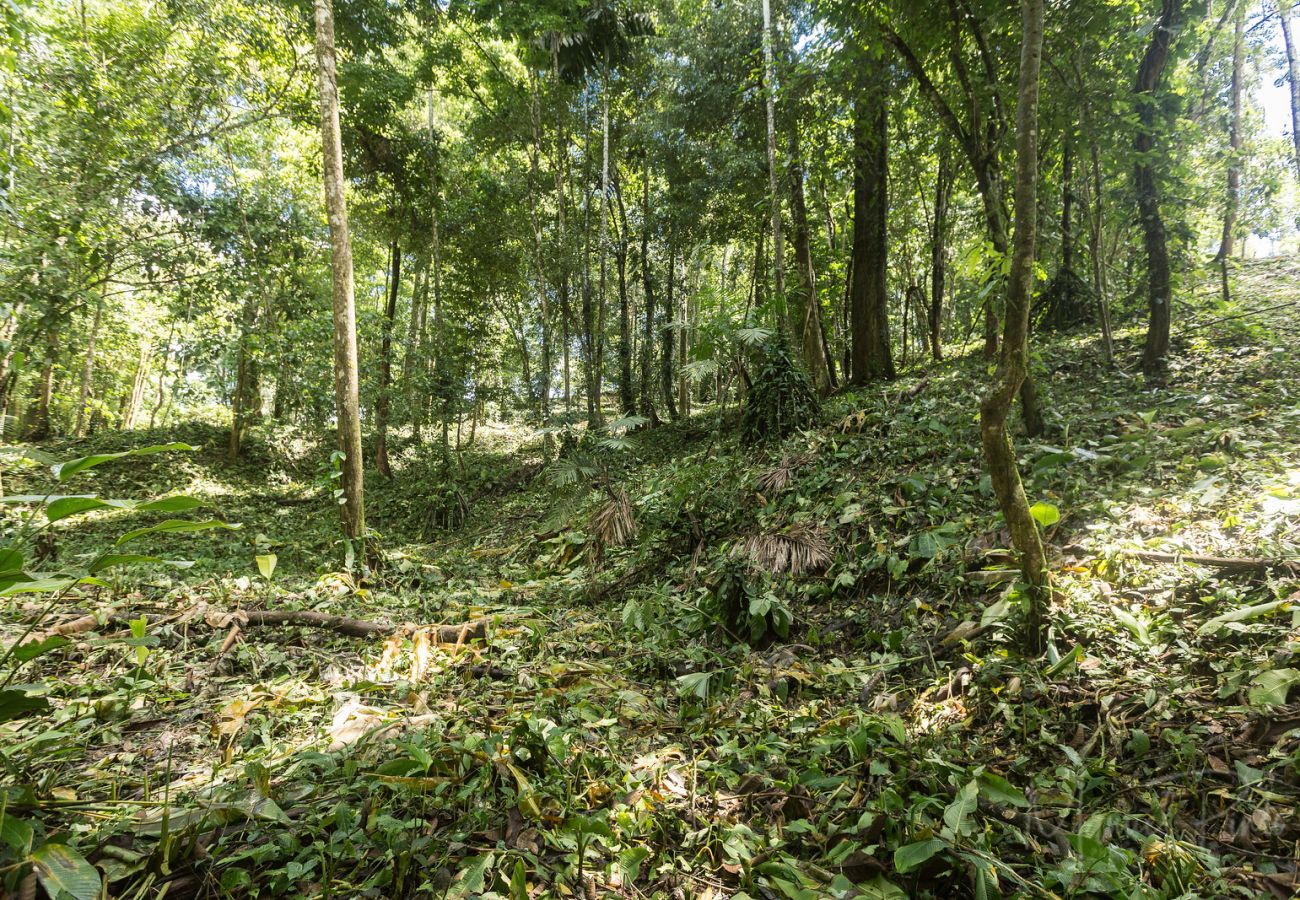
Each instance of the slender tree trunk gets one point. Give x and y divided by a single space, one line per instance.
778 242
42 425
243 375
648 291
1159 287
384 402
545 298
869 297
161 394
999 454
598 376
626 386
806 310
943 184
347 399
7 331
683 337
1292 76
88 366
1232 197
133 400
666 334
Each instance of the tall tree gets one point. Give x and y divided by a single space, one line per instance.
1013 363
1292 75
1232 195
868 285
1146 185
347 401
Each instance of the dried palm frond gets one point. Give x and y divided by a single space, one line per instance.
796 550
781 476
613 523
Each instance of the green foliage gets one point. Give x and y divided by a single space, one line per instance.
781 398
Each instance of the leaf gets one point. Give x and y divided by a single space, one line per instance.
957 814
64 471
266 564
16 834
71 506
1045 514
32 649
112 560
694 683
1243 614
62 869
175 525
15 704
998 790
40 586
1067 663
176 503
910 856
1270 688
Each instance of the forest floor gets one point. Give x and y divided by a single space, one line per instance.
611 735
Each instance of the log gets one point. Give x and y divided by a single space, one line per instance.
1230 563
247 618
446 634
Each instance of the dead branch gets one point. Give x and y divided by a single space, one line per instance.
1252 565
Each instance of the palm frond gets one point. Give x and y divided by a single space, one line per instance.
795 550
613 523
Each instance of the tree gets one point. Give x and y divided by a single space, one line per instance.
868 289
1147 188
1013 363
346 380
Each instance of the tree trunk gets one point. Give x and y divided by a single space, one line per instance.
683 333
774 198
41 425
806 310
132 408
666 335
1159 288
544 295
243 376
869 297
7 332
384 402
999 454
626 386
1232 197
347 399
943 185
1292 76
88 366
648 290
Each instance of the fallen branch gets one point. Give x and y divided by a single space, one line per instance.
1230 563
236 620
360 627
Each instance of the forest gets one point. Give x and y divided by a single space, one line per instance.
675 449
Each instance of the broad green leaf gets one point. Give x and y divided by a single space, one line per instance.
11 561
957 814
16 834
1243 614
694 683
1045 514
39 586
998 790
134 559
266 564
1067 663
1270 688
908 857
177 503
15 704
32 649
62 869
71 506
64 471
174 525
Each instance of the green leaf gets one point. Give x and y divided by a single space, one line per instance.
62 869
15 704
1243 614
1270 688
998 790
39 586
694 683
16 834
266 565
910 856
957 814
134 559
1045 514
71 506
1067 663
64 471
11 562
177 503
174 525
32 649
